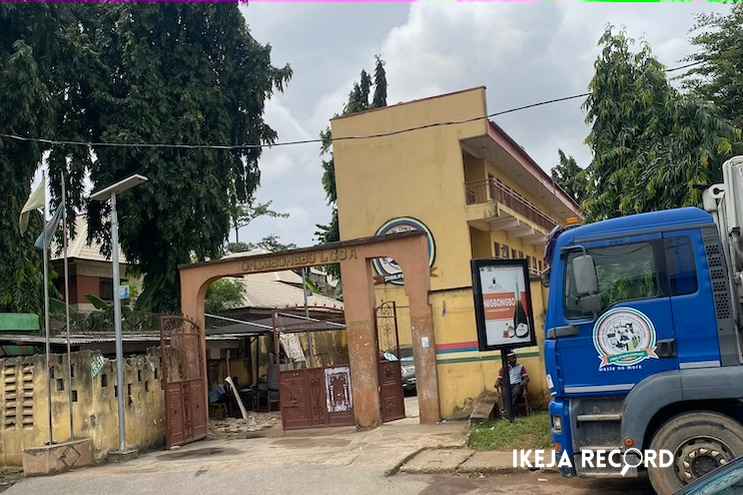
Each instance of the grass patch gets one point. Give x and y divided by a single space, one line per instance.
531 432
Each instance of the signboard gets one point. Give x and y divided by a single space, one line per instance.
387 268
503 309
124 292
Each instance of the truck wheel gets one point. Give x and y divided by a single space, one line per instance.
700 442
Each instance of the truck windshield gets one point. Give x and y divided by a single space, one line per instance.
642 270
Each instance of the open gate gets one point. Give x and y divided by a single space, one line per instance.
391 398
183 379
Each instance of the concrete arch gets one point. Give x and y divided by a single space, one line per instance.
409 249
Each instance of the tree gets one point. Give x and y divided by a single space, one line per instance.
272 244
570 177
243 214
653 147
719 76
30 36
223 294
358 100
380 84
170 74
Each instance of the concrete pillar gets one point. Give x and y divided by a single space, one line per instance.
417 286
358 305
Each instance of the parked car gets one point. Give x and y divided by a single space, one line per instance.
407 367
725 480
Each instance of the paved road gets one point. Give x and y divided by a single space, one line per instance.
328 462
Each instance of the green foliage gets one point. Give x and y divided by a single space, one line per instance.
164 73
380 84
243 214
272 243
570 177
719 77
238 247
653 146
29 40
530 432
358 101
223 294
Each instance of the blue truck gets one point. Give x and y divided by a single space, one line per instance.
643 338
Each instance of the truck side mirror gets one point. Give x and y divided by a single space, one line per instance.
586 283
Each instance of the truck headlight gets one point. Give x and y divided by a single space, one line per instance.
557 424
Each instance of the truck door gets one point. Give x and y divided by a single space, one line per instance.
692 304
607 353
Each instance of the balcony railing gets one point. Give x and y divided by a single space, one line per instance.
485 191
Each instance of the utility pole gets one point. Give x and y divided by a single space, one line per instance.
109 193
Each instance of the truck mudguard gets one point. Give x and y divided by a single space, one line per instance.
658 391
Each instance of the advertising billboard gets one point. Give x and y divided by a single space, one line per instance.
503 308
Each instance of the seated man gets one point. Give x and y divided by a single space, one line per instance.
518 378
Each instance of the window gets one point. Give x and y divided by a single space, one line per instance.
682 272
625 273
106 289
641 270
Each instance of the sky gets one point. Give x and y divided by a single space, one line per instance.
522 53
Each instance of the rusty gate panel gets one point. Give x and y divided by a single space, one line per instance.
391 396
294 400
183 379
316 397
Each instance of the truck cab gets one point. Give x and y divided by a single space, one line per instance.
642 345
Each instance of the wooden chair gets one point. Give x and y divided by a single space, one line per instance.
522 403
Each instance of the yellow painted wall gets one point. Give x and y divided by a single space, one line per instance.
24 405
422 174
418 174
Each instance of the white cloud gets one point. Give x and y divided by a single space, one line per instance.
522 52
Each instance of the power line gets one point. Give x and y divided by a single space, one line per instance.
237 147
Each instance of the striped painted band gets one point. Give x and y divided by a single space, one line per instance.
479 357
599 388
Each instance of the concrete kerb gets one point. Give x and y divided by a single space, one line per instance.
461 460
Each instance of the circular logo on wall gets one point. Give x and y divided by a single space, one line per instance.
387 268
624 337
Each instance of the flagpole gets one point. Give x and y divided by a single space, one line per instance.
67 304
45 253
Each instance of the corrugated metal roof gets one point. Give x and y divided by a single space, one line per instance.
80 249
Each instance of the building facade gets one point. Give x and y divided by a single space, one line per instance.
476 192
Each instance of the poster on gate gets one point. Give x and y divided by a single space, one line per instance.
503 309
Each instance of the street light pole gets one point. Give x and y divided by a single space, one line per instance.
109 193
117 324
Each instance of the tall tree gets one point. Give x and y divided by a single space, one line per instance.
570 177
30 38
653 146
358 100
380 84
243 214
172 74
719 75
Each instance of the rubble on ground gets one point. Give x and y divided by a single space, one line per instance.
229 428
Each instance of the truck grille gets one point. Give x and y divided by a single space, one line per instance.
718 273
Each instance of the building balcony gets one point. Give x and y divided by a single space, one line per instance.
493 206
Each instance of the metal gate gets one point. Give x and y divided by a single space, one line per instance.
181 358
391 398
313 397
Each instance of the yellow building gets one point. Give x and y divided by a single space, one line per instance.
479 195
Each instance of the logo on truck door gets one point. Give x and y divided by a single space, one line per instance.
624 337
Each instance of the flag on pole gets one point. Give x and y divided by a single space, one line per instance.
34 201
49 229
